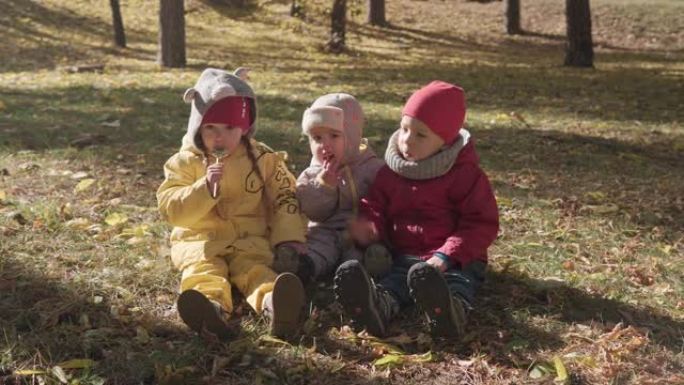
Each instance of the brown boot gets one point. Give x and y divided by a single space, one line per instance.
284 305
204 316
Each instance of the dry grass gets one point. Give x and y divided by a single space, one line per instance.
587 166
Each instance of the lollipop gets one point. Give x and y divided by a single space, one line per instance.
218 153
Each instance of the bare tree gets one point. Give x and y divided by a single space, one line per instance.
117 22
579 51
376 12
513 17
171 33
338 18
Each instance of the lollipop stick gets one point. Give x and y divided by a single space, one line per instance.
216 183
218 154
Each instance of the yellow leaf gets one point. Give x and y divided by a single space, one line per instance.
561 372
504 202
78 223
388 360
275 340
115 219
28 372
3 195
84 184
425 357
603 209
79 363
596 196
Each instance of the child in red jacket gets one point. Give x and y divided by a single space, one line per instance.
434 207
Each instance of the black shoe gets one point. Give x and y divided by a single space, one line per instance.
203 315
359 297
287 302
428 288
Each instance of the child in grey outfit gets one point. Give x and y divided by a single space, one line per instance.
342 169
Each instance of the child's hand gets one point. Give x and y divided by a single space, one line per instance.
363 232
214 174
438 263
330 174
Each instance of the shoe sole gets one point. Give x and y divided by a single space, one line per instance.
429 290
288 302
353 291
199 314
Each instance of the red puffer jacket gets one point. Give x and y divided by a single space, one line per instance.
454 214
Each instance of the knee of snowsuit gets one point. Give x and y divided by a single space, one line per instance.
328 248
244 264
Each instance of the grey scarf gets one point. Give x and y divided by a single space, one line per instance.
432 167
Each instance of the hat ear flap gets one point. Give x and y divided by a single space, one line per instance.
242 73
189 95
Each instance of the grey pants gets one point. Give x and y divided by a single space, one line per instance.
328 248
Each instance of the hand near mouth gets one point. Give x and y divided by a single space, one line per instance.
330 174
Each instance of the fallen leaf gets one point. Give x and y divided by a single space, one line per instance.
3 195
59 373
388 360
113 123
115 219
79 175
84 185
275 340
141 335
595 196
601 209
561 372
17 217
135 241
425 357
78 363
88 140
28 372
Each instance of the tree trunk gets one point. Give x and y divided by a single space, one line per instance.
338 18
117 22
579 51
513 17
171 33
376 12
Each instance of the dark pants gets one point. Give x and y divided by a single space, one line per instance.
462 283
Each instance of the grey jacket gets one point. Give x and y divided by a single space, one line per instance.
330 207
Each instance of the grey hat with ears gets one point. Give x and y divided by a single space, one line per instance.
212 86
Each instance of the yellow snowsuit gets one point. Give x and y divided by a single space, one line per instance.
229 240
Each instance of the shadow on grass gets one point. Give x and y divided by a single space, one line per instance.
25 19
501 324
47 320
570 167
505 294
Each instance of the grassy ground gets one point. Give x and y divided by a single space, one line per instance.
588 167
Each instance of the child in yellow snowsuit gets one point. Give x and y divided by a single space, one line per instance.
231 201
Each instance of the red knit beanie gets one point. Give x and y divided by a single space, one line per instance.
233 111
441 106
